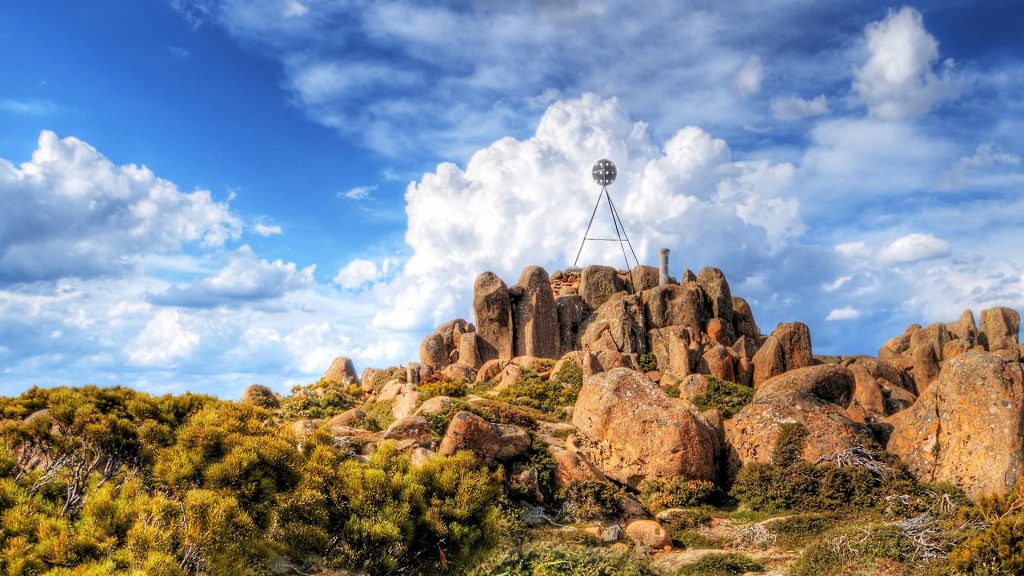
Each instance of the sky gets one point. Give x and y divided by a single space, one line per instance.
204 194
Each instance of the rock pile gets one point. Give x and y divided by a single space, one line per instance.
948 399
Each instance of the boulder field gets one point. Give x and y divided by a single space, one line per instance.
652 365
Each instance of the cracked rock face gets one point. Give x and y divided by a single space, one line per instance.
966 429
632 430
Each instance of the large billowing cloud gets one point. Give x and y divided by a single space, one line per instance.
70 211
899 79
521 202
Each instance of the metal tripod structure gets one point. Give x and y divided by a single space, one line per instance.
604 173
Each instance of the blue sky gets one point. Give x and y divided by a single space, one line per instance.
202 194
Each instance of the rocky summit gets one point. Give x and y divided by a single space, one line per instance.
588 421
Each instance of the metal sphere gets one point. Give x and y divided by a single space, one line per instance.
604 172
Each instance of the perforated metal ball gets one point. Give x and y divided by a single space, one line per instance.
604 172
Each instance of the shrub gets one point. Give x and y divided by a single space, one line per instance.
795 531
790 444
647 362
548 396
728 397
443 386
999 548
771 488
585 500
862 550
677 493
380 413
680 520
320 400
570 376
561 559
731 564
382 377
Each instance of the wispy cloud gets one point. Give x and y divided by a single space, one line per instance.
30 107
358 193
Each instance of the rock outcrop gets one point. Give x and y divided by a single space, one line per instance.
597 284
787 348
441 348
617 326
534 316
968 427
492 311
490 442
633 431
805 397
342 371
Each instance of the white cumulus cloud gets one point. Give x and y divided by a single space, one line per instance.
844 313
899 79
70 211
164 340
749 76
912 248
358 273
792 108
265 230
521 202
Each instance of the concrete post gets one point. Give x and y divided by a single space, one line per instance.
663 270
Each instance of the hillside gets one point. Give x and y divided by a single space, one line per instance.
590 422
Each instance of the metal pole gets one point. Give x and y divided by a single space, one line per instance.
615 221
589 224
616 212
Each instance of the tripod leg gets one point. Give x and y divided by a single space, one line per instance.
589 224
615 221
616 212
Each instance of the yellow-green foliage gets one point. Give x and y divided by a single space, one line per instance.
109 481
728 397
584 500
380 413
561 559
678 493
549 396
647 362
382 377
999 548
854 550
443 386
730 564
323 399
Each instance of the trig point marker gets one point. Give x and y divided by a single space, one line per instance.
604 173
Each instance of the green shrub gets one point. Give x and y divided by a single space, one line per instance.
728 397
380 413
585 500
382 377
854 551
679 520
797 530
548 396
570 376
790 444
771 488
548 558
730 564
443 386
999 548
680 492
647 362
321 400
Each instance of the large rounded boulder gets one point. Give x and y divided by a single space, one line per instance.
814 398
968 427
634 431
